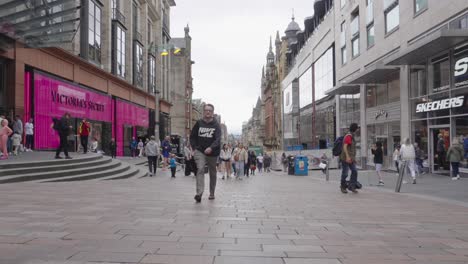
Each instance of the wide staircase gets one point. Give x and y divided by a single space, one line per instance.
80 168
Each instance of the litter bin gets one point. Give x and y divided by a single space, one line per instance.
301 166
290 165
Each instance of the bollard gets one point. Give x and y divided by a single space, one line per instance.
400 176
327 171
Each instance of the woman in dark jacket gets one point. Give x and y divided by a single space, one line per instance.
253 162
378 160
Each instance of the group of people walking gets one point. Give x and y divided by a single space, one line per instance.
13 134
239 161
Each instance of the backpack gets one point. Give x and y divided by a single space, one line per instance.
56 125
338 146
236 157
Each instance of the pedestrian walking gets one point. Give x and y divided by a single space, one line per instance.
252 162
205 139
63 127
454 156
173 165
378 161
18 127
260 162
441 153
83 130
188 156
419 158
233 162
133 147
267 162
29 130
240 157
5 132
226 160
408 155
166 151
284 161
396 158
113 148
152 153
140 147
16 143
348 160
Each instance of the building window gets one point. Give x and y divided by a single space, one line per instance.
418 85
323 74
393 87
343 56
150 29
151 74
370 36
420 5
355 45
115 6
94 32
369 12
119 51
392 17
138 65
439 72
343 34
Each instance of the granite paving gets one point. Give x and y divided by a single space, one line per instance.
267 218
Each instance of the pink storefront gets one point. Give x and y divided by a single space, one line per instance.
48 97
131 121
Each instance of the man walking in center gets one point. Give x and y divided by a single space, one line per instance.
348 160
205 139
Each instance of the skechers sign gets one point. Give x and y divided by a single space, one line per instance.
461 72
440 104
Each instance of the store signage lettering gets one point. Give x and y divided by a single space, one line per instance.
461 67
440 104
380 114
76 102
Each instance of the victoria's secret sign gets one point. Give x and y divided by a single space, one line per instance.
76 102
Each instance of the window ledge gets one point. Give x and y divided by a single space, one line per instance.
420 12
392 31
370 47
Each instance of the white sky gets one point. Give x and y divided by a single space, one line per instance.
230 42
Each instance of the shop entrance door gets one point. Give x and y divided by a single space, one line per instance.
127 140
439 144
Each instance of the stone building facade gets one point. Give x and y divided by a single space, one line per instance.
114 55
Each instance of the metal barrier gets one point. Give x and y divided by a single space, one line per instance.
403 168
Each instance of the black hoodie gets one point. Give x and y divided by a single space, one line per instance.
206 135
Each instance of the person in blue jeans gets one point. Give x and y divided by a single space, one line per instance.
348 160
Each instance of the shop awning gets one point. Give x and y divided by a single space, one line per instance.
431 45
376 73
344 88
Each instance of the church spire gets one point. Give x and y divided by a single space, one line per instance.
271 47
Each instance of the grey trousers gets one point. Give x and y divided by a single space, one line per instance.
201 159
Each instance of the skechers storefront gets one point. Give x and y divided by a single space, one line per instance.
438 96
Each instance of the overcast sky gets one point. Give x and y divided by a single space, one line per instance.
230 42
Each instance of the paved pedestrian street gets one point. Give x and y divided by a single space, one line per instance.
274 219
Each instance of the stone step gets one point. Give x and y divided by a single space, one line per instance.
122 171
132 172
62 173
57 166
50 162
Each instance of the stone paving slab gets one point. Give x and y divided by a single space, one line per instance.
268 218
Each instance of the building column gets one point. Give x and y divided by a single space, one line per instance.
363 125
404 101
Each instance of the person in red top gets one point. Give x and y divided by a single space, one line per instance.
84 130
348 160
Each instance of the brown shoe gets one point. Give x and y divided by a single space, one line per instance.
211 197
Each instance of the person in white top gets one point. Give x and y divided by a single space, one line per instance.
225 156
408 154
29 129
141 147
260 162
396 158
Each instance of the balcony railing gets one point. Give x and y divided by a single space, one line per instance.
118 16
